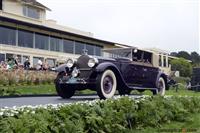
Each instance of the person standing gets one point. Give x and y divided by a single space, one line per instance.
16 60
45 65
39 64
27 64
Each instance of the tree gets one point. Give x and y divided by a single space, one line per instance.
183 66
195 58
173 54
184 54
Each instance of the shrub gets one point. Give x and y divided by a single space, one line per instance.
183 66
21 77
183 80
100 116
5 90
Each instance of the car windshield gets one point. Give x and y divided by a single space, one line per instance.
118 53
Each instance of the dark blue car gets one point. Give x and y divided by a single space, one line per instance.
122 69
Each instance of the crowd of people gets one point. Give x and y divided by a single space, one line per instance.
14 63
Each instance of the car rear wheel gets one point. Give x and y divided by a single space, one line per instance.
106 84
61 90
161 87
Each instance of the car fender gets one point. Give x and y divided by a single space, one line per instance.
61 68
103 66
108 65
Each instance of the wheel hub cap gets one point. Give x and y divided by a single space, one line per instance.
107 84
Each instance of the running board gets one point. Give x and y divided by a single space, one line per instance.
141 88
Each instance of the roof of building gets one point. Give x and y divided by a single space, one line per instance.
42 27
36 3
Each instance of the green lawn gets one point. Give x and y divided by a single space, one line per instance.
50 89
27 90
39 89
180 92
192 124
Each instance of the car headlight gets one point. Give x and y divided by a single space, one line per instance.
75 73
92 62
70 63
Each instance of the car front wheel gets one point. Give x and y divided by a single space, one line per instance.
64 92
161 87
106 84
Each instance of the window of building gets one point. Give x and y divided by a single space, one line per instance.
7 36
9 56
68 46
51 62
41 42
2 57
31 12
25 39
1 4
79 47
98 51
24 57
19 59
56 44
90 48
35 61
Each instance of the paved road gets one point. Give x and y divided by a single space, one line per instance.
10 102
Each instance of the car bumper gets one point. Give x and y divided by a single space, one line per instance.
71 81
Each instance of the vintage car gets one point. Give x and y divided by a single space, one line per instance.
122 69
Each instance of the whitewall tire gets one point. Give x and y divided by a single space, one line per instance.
106 84
161 87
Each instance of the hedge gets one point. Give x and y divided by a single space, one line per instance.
9 80
23 77
113 115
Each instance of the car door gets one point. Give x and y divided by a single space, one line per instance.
133 70
150 72
150 75
137 71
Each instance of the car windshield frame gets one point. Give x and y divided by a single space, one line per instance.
125 53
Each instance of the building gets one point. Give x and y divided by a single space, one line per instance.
25 32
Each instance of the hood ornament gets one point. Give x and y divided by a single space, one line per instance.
85 52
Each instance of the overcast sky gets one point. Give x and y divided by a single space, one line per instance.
166 24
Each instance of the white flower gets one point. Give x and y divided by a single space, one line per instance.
1 113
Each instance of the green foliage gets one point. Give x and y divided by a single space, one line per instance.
107 116
21 77
12 81
183 66
182 80
184 54
193 56
27 90
8 91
